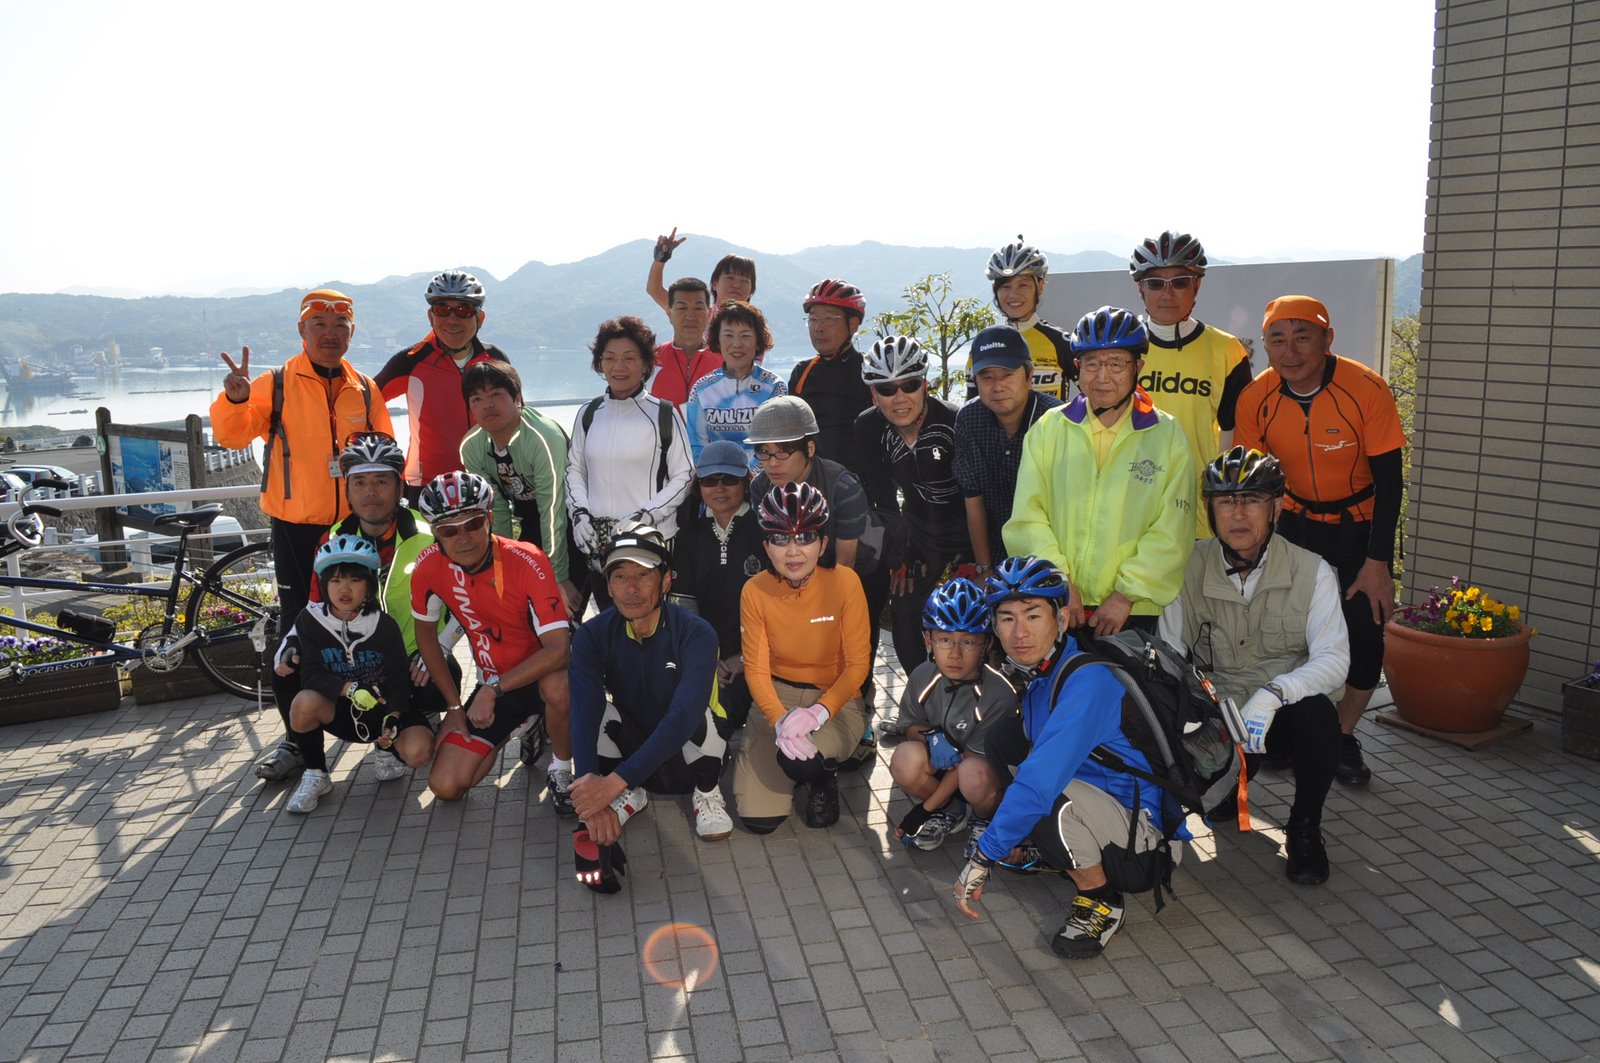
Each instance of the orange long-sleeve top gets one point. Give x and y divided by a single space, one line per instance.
818 636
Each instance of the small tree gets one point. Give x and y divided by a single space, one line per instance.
1405 342
939 320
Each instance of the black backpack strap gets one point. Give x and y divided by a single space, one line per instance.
275 432
586 416
1105 757
664 426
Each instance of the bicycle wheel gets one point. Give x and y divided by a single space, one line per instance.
235 605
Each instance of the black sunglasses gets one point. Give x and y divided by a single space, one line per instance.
910 387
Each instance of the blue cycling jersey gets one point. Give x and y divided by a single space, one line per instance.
721 407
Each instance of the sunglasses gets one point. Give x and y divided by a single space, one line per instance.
342 307
798 538
720 479
1179 284
909 387
386 732
463 312
450 531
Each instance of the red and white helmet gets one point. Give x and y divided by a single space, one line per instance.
830 292
454 493
793 508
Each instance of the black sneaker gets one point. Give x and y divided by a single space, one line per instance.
1308 857
1090 924
822 807
1352 770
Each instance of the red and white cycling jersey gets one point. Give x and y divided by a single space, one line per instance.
504 608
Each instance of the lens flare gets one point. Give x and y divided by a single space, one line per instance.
680 956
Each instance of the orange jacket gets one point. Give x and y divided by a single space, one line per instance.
314 430
819 635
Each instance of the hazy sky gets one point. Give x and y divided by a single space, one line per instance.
192 146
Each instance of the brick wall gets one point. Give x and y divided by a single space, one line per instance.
1505 486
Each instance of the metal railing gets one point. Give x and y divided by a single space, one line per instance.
141 555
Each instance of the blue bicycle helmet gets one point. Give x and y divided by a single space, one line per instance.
1110 328
350 555
345 550
1024 577
956 606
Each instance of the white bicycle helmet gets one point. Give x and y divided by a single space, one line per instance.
893 358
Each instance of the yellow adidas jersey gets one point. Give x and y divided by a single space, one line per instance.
1188 382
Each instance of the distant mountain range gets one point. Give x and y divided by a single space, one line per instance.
537 306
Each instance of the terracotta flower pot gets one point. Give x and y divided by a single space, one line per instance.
1453 684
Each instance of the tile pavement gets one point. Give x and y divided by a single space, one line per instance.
156 902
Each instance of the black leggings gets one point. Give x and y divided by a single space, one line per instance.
1307 732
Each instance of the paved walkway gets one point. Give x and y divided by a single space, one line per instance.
156 902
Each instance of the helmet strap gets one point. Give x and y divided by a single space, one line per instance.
1100 411
1235 564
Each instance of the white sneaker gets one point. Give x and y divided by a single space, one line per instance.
386 767
313 784
630 803
711 819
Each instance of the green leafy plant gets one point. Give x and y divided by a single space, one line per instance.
941 321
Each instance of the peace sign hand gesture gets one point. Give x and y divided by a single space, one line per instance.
236 385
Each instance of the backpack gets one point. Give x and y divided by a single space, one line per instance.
663 424
1171 714
275 430
869 548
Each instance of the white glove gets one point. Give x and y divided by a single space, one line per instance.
583 533
1258 713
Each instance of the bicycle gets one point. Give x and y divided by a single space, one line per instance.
229 621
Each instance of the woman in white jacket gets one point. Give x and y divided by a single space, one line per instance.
630 451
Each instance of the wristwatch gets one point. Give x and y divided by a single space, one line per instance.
494 685
1276 691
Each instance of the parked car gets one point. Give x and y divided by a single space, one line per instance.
14 485
30 473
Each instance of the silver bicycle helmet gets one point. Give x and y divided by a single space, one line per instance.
1168 249
456 284
893 358
1017 260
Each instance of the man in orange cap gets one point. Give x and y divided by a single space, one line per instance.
1333 425
303 412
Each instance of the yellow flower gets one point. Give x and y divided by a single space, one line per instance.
1487 625
1451 614
1472 594
1514 612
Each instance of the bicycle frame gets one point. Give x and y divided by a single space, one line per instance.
128 656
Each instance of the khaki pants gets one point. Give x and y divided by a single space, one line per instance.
760 787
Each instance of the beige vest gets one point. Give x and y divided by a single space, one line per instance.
1248 645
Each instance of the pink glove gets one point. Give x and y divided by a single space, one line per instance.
799 747
802 721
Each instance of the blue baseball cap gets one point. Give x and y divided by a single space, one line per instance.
1001 346
723 456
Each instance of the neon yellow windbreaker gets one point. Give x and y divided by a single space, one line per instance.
1128 527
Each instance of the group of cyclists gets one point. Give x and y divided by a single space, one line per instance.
698 567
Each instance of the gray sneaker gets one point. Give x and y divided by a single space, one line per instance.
952 819
386 767
282 762
560 782
313 786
